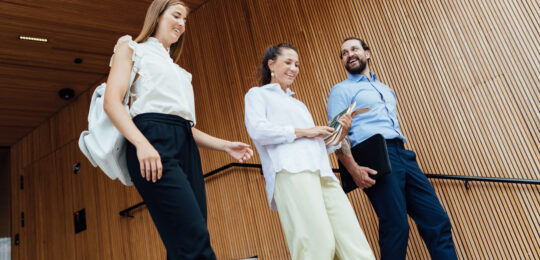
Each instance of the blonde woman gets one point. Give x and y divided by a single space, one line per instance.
162 154
316 216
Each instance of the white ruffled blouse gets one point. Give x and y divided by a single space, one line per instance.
162 86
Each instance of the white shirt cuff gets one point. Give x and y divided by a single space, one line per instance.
290 136
332 148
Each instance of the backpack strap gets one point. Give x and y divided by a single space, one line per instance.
135 58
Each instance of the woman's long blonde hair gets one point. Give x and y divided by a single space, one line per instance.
153 13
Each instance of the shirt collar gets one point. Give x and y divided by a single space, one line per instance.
155 41
277 88
361 77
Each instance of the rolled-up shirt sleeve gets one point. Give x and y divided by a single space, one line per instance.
259 128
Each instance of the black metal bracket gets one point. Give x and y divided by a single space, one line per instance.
466 179
76 168
127 212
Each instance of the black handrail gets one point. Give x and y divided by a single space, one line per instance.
127 212
246 165
466 179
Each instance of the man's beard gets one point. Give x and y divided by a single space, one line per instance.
357 70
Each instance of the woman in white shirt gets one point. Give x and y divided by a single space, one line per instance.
162 155
316 216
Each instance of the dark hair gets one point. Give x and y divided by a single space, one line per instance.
364 45
271 53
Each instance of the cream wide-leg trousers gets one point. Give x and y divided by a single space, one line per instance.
318 219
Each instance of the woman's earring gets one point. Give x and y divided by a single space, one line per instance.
272 74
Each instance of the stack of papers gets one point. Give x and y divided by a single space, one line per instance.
337 135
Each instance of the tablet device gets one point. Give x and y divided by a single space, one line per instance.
371 153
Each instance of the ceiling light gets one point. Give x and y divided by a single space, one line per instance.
36 39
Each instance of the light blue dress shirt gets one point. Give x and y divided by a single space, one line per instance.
382 116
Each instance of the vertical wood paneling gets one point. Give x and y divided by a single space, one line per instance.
466 77
52 193
54 232
15 168
62 127
82 187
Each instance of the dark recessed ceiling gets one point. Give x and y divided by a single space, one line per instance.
32 73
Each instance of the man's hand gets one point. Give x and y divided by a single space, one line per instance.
345 121
360 175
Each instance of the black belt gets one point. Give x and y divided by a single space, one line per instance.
394 142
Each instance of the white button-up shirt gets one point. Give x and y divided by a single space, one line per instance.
271 118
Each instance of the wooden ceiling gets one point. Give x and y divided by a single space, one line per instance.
32 73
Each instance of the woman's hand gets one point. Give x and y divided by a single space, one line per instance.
239 151
150 162
318 131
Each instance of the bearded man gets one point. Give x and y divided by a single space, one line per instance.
406 189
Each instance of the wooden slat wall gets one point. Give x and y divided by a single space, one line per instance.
52 193
5 193
466 76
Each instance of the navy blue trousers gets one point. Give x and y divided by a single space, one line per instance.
407 191
176 202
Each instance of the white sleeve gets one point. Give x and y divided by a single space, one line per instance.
332 148
259 128
136 58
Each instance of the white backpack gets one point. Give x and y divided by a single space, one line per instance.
102 143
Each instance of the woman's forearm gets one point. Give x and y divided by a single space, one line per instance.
207 141
300 132
117 86
122 121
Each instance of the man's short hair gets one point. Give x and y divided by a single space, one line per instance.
362 43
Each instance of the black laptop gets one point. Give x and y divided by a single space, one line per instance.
370 153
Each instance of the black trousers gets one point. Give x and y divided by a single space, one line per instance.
176 202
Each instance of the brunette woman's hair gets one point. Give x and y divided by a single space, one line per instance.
271 53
